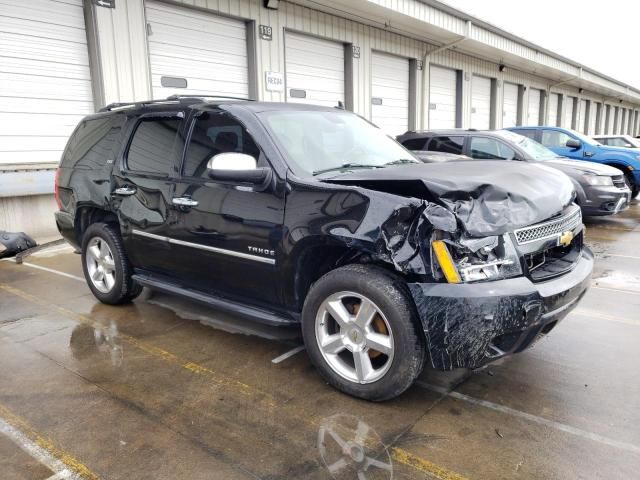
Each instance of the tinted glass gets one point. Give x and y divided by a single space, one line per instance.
153 147
489 149
212 134
554 138
527 133
446 144
415 143
93 143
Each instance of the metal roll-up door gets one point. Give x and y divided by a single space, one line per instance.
45 78
480 103
534 107
593 113
390 93
510 106
553 109
442 97
623 120
582 117
194 52
314 70
568 113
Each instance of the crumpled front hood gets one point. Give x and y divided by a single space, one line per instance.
581 166
487 197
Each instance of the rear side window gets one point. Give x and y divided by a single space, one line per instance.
154 145
446 144
489 149
554 138
92 144
415 144
527 133
215 133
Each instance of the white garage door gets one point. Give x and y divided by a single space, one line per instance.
510 106
390 93
593 112
480 103
553 110
44 78
582 116
442 97
623 120
568 113
534 107
193 52
314 70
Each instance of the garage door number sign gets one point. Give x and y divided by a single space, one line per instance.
266 32
274 81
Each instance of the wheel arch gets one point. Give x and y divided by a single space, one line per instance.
88 215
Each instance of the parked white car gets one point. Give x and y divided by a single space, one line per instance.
625 141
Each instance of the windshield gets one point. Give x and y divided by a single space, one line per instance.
316 142
533 149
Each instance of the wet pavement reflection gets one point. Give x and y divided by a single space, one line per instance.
164 388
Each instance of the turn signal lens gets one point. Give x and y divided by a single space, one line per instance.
445 261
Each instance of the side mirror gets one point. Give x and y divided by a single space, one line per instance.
237 168
573 143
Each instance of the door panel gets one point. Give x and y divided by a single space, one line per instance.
314 70
227 241
480 103
510 106
442 97
390 93
143 190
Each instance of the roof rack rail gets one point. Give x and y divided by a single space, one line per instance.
113 106
172 98
224 97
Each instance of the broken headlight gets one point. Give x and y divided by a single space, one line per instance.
477 259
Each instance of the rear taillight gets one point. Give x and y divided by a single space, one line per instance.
56 189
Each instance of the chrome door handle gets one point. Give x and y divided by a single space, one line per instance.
184 202
125 191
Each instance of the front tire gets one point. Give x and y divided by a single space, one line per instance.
361 331
635 189
105 265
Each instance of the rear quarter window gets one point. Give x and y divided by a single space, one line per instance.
415 143
154 145
93 143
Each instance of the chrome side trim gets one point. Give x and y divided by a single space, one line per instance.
231 253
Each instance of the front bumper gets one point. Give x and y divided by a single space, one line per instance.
605 200
468 325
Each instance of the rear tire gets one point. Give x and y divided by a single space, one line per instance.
347 313
105 265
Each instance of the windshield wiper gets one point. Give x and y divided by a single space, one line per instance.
401 161
346 166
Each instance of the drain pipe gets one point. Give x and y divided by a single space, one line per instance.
426 58
546 106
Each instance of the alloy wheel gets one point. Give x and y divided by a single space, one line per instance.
354 337
101 265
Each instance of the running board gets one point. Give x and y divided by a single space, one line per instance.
230 306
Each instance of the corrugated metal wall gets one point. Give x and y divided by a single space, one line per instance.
121 34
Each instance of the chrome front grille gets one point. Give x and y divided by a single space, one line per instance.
549 229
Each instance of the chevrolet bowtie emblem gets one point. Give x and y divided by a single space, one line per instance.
566 238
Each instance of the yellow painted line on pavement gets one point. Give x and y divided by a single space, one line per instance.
47 444
422 465
400 455
146 347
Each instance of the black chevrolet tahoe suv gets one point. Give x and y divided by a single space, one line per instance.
297 214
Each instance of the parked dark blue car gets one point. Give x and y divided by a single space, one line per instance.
574 145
